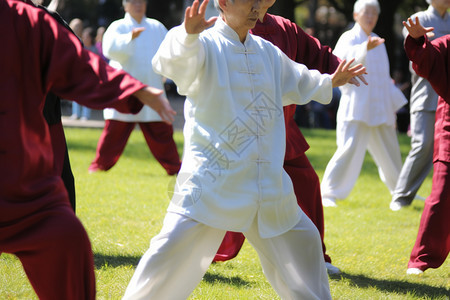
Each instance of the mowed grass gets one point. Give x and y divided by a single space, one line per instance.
122 209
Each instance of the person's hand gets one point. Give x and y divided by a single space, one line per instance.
374 42
356 82
416 30
155 98
194 18
345 73
136 32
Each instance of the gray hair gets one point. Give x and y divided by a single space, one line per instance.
125 1
216 5
361 4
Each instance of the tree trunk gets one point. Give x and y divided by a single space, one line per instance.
284 8
385 28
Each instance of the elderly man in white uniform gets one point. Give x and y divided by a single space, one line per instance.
232 175
366 116
130 44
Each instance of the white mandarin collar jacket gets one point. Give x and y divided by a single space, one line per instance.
378 102
232 168
135 57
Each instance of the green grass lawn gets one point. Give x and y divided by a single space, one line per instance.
124 207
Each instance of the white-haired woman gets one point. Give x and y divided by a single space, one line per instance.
366 117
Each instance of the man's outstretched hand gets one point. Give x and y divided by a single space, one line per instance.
155 98
345 73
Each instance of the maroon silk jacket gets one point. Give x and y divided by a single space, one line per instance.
302 48
38 55
431 60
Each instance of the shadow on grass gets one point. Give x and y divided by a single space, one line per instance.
420 290
217 278
101 260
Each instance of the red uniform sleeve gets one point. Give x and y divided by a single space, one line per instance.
74 73
431 61
313 54
297 44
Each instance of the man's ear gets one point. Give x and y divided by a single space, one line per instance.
223 4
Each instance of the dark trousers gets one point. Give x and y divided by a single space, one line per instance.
159 138
433 239
55 252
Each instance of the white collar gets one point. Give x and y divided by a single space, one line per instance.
133 21
227 31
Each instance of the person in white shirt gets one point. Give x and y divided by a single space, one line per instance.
130 44
232 176
366 116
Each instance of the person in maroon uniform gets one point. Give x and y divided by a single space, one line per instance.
302 48
37 223
431 60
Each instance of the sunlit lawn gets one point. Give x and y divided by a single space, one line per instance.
123 208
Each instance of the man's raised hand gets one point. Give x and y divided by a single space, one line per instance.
194 17
416 30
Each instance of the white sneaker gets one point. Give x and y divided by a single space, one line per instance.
414 271
395 206
332 270
328 202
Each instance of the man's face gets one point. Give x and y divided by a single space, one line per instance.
136 8
367 18
241 15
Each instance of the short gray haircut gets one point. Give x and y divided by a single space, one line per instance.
125 1
216 5
361 4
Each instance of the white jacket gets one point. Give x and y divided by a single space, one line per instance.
135 57
378 102
232 168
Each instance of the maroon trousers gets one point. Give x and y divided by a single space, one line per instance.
159 138
307 190
433 239
55 252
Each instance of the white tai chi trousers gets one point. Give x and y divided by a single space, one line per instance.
353 139
180 254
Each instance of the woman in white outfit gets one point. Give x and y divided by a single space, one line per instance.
366 116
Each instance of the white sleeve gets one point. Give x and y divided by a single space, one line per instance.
117 44
181 57
347 49
301 85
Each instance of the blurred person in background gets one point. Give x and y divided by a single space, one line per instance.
78 111
88 39
99 41
366 117
130 44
